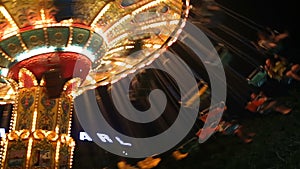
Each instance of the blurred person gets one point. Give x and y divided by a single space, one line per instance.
276 67
225 128
280 69
270 41
210 13
260 103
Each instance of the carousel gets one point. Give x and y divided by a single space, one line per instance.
52 51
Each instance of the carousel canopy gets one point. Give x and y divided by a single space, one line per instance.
99 41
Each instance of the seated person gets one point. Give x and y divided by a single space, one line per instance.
210 12
224 127
269 41
276 67
233 128
262 104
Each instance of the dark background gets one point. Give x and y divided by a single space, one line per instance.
280 15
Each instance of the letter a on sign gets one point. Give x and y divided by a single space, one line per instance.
84 136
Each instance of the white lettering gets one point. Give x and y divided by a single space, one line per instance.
84 136
123 143
104 138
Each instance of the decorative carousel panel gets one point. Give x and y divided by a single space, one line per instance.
26 78
43 154
4 61
112 14
64 157
24 13
49 10
95 45
58 36
85 11
65 114
16 154
25 108
66 150
80 36
12 46
7 24
47 111
34 38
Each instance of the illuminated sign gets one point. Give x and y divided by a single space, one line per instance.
83 136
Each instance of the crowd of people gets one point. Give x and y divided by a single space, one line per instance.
277 66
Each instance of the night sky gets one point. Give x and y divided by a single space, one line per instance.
280 15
